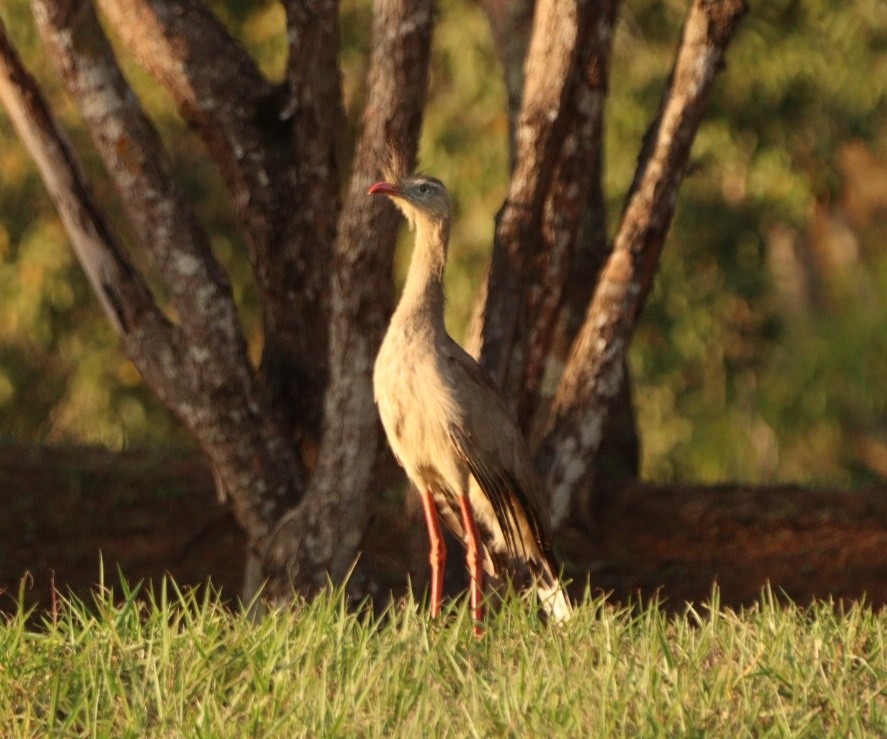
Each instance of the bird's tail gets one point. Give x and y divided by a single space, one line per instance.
552 595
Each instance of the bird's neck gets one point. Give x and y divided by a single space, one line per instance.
423 293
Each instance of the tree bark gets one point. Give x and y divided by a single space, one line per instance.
320 538
557 134
596 364
618 458
511 22
275 145
562 309
575 180
197 365
573 245
251 467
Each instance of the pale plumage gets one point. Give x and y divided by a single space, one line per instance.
449 426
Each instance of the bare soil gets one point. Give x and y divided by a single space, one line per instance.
155 512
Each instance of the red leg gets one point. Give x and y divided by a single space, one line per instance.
473 558
438 556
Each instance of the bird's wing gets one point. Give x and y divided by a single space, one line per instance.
487 438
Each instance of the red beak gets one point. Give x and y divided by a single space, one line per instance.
384 188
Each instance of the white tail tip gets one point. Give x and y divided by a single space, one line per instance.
555 603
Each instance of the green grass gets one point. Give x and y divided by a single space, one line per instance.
177 664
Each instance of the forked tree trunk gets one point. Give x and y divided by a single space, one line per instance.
573 244
594 371
295 442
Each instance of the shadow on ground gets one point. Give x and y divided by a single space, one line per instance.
154 512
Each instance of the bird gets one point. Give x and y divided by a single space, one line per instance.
451 429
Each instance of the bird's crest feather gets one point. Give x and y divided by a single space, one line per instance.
394 166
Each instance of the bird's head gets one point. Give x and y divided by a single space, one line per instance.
418 197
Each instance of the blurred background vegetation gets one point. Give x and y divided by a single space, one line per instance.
762 354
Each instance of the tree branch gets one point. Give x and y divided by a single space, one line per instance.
310 204
594 370
216 85
275 147
216 399
576 178
562 30
135 159
318 118
511 22
337 502
123 294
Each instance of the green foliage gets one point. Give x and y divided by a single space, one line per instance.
180 664
735 378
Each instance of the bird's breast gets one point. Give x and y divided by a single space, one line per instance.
415 407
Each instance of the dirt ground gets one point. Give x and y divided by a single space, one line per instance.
155 512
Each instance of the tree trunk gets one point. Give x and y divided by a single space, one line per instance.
319 540
596 366
295 443
573 235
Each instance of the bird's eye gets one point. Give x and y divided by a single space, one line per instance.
424 189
